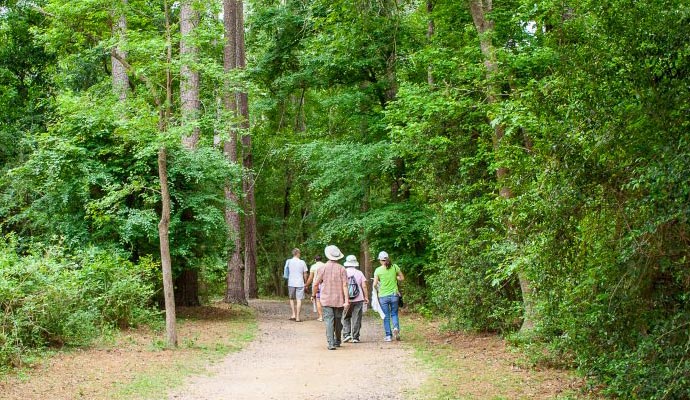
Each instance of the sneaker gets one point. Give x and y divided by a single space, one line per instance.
331 347
347 339
320 319
387 339
355 340
396 333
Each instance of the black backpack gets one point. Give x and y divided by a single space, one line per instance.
352 287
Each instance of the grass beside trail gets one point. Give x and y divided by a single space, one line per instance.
135 363
466 366
205 340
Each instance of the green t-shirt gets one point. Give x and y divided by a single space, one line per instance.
388 279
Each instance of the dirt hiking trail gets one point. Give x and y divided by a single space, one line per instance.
290 360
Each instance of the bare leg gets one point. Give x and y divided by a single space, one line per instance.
319 309
299 310
292 308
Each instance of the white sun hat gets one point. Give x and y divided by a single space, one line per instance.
351 261
333 252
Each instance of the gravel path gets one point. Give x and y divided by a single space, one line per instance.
289 360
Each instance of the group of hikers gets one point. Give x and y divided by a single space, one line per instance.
341 294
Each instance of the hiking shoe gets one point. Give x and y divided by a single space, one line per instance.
337 344
355 340
387 339
347 339
396 333
331 347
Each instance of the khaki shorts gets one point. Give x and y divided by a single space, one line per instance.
296 293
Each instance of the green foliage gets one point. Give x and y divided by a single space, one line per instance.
51 298
367 130
25 66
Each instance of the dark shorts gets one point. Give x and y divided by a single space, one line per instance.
295 293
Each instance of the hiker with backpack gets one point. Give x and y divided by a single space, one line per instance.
386 278
357 292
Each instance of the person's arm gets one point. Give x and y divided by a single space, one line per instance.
309 279
317 281
365 290
400 275
343 277
376 281
304 276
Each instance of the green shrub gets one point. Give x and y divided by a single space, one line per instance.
52 299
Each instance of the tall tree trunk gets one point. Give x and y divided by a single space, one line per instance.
234 292
479 9
250 253
429 35
164 224
364 250
187 282
119 72
189 76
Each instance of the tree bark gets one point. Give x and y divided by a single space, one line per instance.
234 292
364 249
189 77
164 224
187 283
429 35
250 253
479 9
166 263
119 72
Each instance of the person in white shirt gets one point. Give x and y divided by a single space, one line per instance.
297 274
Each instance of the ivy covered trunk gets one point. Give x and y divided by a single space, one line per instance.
485 27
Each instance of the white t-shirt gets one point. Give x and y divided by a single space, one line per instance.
296 270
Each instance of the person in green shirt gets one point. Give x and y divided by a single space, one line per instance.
386 278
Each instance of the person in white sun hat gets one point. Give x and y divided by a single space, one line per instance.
357 292
386 278
331 282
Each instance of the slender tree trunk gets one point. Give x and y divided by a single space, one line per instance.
119 72
429 35
166 264
364 250
234 292
164 224
250 253
189 77
479 9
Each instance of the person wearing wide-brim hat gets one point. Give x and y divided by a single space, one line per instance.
331 282
386 278
357 291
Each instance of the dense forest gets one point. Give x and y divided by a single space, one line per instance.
526 163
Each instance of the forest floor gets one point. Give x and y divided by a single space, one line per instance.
225 353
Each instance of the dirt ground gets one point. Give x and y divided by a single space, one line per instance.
289 360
